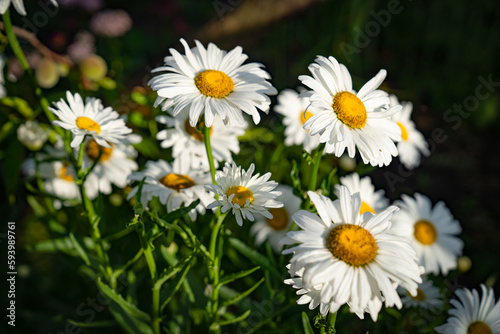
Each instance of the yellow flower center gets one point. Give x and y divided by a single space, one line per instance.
194 132
279 221
304 116
241 194
63 174
177 181
425 232
404 133
86 123
214 83
350 110
92 151
352 244
365 207
479 327
420 296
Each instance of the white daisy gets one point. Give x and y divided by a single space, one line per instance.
212 81
313 297
346 119
115 164
354 256
473 315
274 229
297 110
89 118
371 200
432 232
428 296
32 135
188 144
243 193
413 143
59 180
18 5
174 185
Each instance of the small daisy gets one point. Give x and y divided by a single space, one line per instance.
413 143
243 193
313 297
472 315
432 232
297 111
274 229
174 185
59 180
354 256
188 144
371 200
428 296
32 135
89 118
212 81
346 119
18 5
115 164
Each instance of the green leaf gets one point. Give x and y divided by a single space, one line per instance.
130 324
242 295
176 284
122 303
54 245
81 252
294 175
254 256
328 183
95 324
235 276
18 104
138 208
306 324
217 325
176 214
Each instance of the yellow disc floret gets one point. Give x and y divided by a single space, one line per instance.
420 295
92 151
177 181
425 232
63 174
304 116
280 219
352 244
214 83
404 132
365 207
241 195
86 123
350 110
479 327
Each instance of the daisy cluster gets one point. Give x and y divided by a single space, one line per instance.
351 248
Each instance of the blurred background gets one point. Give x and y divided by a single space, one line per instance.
440 55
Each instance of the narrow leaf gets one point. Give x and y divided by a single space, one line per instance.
242 317
242 295
254 256
235 276
306 324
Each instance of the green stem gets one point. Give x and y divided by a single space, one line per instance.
314 172
206 137
18 52
80 156
155 314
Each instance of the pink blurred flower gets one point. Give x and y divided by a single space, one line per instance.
111 23
82 47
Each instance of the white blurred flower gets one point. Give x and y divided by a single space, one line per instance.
31 135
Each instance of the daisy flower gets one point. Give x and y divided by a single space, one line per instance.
212 81
473 315
243 193
89 118
371 200
18 5
297 111
274 229
313 297
413 143
59 180
432 232
428 296
174 185
188 144
346 119
116 163
352 258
